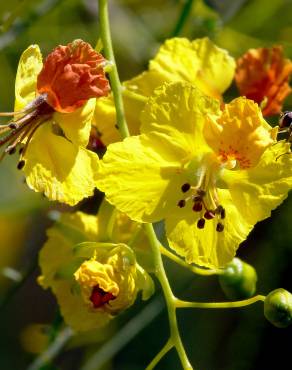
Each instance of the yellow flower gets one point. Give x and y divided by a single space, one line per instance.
52 121
210 174
199 62
109 280
92 281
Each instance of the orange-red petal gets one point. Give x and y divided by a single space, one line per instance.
71 75
263 76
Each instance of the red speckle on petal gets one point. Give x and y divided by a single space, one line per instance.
99 297
71 75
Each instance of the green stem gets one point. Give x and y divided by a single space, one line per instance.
55 326
133 95
113 74
167 347
235 304
124 335
18 285
122 125
186 10
194 269
53 350
168 295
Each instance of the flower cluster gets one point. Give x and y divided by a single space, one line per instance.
207 169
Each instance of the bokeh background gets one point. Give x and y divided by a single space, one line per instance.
219 339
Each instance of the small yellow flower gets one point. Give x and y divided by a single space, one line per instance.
92 281
199 62
210 174
109 280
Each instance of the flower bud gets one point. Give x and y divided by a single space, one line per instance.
238 281
278 308
110 280
92 281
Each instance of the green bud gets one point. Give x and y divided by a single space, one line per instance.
238 280
278 308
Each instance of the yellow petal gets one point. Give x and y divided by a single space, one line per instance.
207 247
146 82
77 125
30 64
150 165
240 133
75 312
72 307
61 235
200 62
114 271
106 122
259 190
137 178
176 114
57 168
92 273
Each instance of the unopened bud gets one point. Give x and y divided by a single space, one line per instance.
238 281
278 308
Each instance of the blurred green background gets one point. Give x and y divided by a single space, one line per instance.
215 340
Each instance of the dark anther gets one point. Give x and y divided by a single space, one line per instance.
197 207
20 164
181 203
201 193
185 187
201 223
209 215
223 213
13 126
116 126
12 150
218 210
285 119
219 227
20 150
197 199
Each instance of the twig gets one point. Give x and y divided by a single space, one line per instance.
124 335
53 350
185 12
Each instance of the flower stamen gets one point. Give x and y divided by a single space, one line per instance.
201 223
185 187
22 129
205 199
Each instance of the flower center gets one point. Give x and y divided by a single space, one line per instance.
99 297
204 195
95 143
20 130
